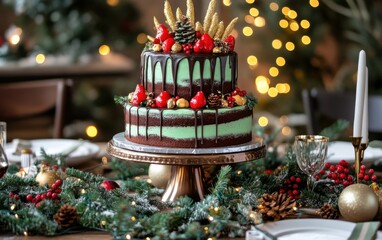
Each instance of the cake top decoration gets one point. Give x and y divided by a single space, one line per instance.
183 34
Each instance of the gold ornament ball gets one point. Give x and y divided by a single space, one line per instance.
378 193
159 175
47 176
358 203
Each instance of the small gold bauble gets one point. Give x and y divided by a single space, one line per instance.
130 97
159 175
240 100
358 203
157 48
47 176
176 48
182 103
171 103
217 50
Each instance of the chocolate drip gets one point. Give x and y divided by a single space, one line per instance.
188 92
129 122
161 123
202 125
196 128
147 122
137 121
216 123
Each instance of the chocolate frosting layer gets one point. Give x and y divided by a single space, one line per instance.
207 85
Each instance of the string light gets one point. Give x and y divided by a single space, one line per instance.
314 3
254 12
227 3
239 172
13 206
294 26
262 84
40 58
272 92
252 60
210 218
305 40
83 191
277 44
274 71
104 50
283 23
103 222
280 61
289 46
142 38
128 236
247 31
263 121
133 219
91 131
259 22
305 24
274 6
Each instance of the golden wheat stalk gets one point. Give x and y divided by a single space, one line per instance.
156 22
190 14
199 27
220 30
209 14
214 25
169 15
179 14
229 28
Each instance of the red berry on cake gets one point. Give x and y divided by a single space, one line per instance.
198 101
162 33
139 95
161 100
156 41
167 44
208 43
199 46
198 34
230 40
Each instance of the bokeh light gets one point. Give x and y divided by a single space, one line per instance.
274 71
314 3
289 46
294 26
263 121
283 23
280 61
104 50
305 40
272 92
254 12
91 131
292 14
40 58
227 3
112 3
252 60
277 44
305 24
250 1
142 38
262 84
274 6
259 22
247 31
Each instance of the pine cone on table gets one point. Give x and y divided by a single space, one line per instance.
66 216
276 206
328 211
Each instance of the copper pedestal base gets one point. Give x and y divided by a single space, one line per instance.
187 176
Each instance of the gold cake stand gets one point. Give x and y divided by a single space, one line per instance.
187 176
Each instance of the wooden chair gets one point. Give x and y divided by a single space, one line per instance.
34 107
319 103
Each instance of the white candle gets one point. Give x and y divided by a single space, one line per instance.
360 93
365 118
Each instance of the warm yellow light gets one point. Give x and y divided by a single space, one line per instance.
104 50
254 12
281 87
277 44
142 38
292 14
14 39
112 3
104 160
103 222
274 6
305 24
283 23
289 46
249 19
287 87
259 22
274 71
40 58
250 1
91 131
305 40
83 191
286 131
285 10
227 2
314 3
133 219
284 119
263 121
252 60
13 206
272 92
294 26
247 31
210 218
280 61
262 84
128 236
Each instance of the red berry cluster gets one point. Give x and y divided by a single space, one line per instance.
52 193
340 173
187 48
14 195
239 92
291 186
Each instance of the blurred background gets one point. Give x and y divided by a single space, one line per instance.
284 46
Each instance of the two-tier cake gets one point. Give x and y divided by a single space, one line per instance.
188 95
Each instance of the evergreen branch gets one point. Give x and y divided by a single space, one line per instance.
121 100
335 130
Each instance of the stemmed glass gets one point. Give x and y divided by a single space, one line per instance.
3 156
311 153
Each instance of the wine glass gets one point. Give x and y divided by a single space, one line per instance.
3 156
311 153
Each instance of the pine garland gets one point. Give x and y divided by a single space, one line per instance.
135 210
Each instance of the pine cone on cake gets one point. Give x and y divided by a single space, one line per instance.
214 100
66 216
223 46
276 206
328 211
184 33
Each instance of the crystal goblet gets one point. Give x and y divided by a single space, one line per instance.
311 151
3 156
